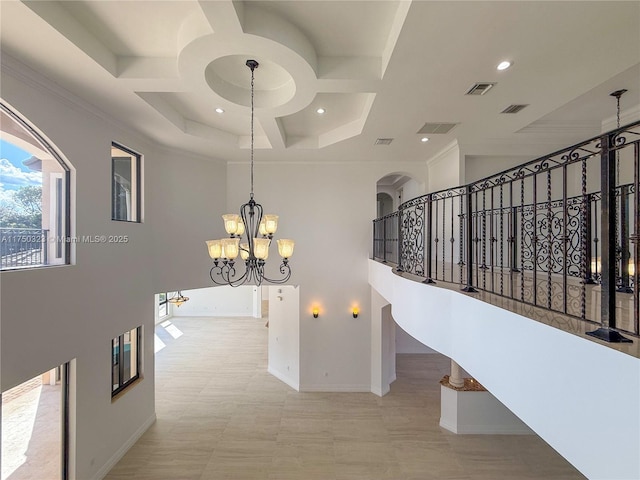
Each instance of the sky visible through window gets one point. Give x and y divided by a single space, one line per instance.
13 174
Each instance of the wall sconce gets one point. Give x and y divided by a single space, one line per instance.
316 312
356 312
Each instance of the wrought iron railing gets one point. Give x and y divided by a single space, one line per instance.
541 233
385 238
23 247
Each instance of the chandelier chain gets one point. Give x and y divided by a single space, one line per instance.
619 241
618 111
618 94
252 68
618 124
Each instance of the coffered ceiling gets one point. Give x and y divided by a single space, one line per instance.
379 69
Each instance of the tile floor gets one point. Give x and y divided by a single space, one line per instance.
31 431
220 415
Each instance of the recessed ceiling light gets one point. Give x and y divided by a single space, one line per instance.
424 139
320 111
219 110
504 65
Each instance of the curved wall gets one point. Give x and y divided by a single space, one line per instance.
581 397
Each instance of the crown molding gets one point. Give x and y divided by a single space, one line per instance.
627 116
444 151
557 129
9 65
162 148
27 75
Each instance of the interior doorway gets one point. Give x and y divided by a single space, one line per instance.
35 420
384 204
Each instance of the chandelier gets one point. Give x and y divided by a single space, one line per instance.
256 232
178 299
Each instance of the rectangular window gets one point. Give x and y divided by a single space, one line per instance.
125 184
59 217
126 353
162 305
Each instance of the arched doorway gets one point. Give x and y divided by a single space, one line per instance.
384 204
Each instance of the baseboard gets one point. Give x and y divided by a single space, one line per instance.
495 430
115 458
448 426
283 378
381 392
335 388
487 430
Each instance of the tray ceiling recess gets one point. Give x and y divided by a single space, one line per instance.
196 76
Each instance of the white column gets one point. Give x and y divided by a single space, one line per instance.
455 379
381 347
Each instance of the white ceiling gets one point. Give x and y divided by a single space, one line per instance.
379 68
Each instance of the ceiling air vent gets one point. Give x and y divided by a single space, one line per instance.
514 108
384 141
480 88
435 128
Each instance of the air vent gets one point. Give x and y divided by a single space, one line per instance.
480 88
436 128
384 141
514 108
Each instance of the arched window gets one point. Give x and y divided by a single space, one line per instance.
34 197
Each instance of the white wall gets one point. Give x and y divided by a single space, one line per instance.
405 343
284 334
321 206
445 169
552 380
412 189
221 301
481 166
52 315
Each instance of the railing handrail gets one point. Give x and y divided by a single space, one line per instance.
547 216
22 229
23 247
388 215
520 167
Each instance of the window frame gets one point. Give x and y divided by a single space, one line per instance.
66 179
164 303
136 210
120 362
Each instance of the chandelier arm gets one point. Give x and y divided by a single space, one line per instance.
227 273
240 281
255 271
220 271
285 269
251 214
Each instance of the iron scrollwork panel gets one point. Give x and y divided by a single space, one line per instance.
544 236
412 248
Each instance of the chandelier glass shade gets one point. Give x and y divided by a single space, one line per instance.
250 234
